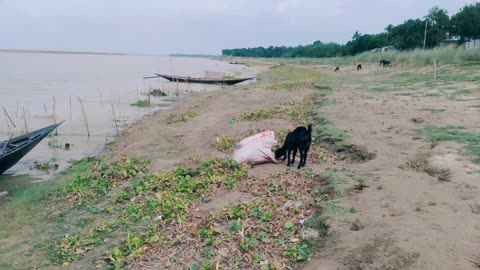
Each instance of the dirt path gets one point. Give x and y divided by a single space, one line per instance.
408 215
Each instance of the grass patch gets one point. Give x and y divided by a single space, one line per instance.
288 73
181 117
225 144
157 93
142 103
263 114
460 135
110 213
419 57
433 110
292 85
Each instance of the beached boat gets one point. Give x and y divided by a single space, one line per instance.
14 149
229 81
236 63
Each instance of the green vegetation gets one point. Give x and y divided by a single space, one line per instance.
406 36
225 144
292 85
418 57
455 134
182 117
142 103
119 210
157 93
269 113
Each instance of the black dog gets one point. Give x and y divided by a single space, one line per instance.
300 139
337 69
359 66
385 63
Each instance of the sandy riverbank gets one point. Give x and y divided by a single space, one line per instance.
404 196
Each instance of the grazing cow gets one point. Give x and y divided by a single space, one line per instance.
359 66
385 63
337 69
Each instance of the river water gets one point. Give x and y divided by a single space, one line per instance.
39 89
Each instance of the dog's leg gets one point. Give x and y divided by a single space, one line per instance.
294 155
305 155
301 158
288 157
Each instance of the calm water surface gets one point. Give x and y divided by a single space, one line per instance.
40 89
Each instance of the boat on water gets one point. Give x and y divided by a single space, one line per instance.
236 63
229 81
14 149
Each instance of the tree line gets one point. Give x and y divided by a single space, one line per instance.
462 26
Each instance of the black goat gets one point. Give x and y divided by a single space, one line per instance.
300 139
337 69
359 66
385 63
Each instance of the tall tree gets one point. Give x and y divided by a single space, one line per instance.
438 24
466 23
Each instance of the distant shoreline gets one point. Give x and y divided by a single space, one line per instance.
69 52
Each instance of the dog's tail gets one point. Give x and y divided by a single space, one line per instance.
309 128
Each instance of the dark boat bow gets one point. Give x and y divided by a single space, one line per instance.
14 149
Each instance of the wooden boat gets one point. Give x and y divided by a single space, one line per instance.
229 81
14 149
236 63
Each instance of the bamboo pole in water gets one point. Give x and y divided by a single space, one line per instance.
8 125
8 116
114 119
54 111
25 119
84 115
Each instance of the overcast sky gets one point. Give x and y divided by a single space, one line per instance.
197 26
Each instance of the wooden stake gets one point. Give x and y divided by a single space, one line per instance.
25 119
54 114
84 115
54 105
114 119
8 125
8 116
434 69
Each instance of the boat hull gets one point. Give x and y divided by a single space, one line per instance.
204 81
19 146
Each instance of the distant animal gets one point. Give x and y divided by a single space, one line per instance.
385 63
359 66
299 139
337 69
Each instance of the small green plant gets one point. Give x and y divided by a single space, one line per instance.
182 117
157 93
225 144
142 103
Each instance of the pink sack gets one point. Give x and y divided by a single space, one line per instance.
256 149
